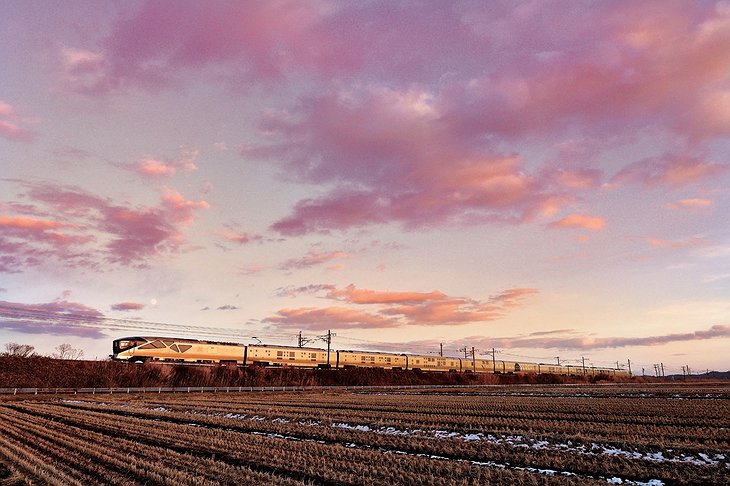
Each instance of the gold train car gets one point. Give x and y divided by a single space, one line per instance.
433 363
141 349
367 359
176 350
268 355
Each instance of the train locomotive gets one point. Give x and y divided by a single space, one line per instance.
176 350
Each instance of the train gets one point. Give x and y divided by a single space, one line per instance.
177 350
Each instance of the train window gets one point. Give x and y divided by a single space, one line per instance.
292 354
184 347
148 346
168 342
174 348
280 355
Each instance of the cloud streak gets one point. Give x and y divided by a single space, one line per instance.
56 318
395 309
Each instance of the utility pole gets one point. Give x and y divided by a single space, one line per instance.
642 372
494 362
473 359
466 355
663 375
558 358
328 339
629 367
683 374
329 343
617 367
583 358
441 352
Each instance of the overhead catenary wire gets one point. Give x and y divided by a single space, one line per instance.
62 321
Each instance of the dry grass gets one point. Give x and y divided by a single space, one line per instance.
500 436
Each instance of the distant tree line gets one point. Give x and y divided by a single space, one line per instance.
62 351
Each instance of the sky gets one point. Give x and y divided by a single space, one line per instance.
545 178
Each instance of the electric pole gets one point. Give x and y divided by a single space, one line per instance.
473 359
558 358
663 375
629 367
441 352
328 339
584 364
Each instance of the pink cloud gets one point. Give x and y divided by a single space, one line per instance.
238 237
409 165
155 167
128 306
580 221
88 230
694 203
312 258
85 72
11 125
424 146
587 342
58 318
179 209
670 170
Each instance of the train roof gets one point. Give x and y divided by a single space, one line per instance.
178 340
276 346
370 352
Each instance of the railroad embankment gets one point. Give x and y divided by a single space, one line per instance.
44 372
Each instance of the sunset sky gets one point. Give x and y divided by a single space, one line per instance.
544 178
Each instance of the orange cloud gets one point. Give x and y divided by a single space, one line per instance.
329 318
677 245
581 221
151 166
695 203
364 296
403 308
20 222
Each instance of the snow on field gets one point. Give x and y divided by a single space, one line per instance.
701 459
517 441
